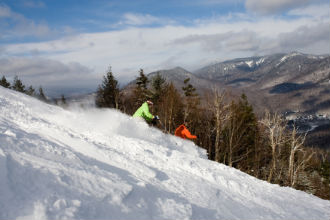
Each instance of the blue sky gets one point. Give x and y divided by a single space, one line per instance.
59 18
70 44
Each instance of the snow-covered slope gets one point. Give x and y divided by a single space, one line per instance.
102 164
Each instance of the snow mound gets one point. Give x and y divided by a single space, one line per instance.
102 164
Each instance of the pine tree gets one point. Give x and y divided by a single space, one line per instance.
239 134
249 139
107 95
30 91
18 85
159 86
63 100
189 90
41 95
191 102
141 91
4 82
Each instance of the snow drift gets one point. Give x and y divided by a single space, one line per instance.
102 164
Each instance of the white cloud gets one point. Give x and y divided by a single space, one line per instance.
133 19
273 6
213 2
5 11
19 25
139 19
305 36
315 11
48 73
133 48
33 4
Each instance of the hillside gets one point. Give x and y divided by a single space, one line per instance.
294 84
177 75
281 82
102 164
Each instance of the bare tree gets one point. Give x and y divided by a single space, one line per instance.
302 164
296 162
219 109
236 132
170 108
275 127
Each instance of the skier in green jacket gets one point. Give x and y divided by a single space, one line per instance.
144 112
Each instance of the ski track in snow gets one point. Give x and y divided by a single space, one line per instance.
102 164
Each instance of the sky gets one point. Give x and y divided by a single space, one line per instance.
67 46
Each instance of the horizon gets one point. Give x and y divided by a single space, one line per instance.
72 44
72 92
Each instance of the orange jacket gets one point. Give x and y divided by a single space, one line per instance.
183 132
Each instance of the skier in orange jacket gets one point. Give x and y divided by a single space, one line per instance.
184 133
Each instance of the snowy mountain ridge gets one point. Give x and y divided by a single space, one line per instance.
102 164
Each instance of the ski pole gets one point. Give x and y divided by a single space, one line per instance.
161 124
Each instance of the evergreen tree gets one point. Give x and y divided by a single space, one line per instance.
107 95
191 103
41 95
141 91
30 91
63 100
250 146
159 87
189 90
239 135
4 82
18 85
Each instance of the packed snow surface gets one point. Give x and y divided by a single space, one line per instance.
102 164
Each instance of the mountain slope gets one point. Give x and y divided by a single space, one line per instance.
102 164
281 82
178 75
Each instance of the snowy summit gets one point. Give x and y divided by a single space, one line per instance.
102 164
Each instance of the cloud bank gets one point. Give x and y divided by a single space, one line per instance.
52 75
274 6
82 59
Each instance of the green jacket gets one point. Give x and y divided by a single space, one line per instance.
143 112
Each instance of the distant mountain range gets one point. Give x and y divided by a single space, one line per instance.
280 82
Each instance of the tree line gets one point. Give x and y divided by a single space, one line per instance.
18 86
228 129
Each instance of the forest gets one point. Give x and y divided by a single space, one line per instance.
226 126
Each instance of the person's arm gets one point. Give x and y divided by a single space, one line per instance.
188 134
147 115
